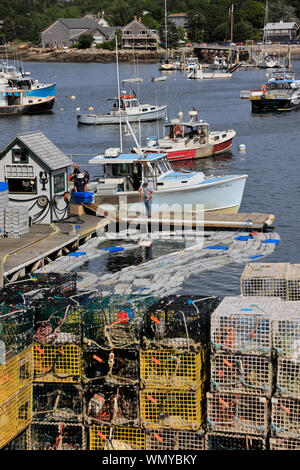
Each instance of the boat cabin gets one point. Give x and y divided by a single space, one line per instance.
196 131
20 83
282 85
126 102
11 97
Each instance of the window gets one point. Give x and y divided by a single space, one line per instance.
128 31
19 156
21 186
143 32
59 183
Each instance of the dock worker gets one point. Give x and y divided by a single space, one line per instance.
81 178
146 191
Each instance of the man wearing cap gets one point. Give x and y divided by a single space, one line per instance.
81 178
146 192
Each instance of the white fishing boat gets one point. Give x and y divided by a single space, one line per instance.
267 62
124 172
219 62
125 108
197 74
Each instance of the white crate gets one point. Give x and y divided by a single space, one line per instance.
265 279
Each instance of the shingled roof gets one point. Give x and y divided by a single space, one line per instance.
42 148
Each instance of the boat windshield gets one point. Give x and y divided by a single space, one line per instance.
278 86
163 165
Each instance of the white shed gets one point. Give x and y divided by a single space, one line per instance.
36 173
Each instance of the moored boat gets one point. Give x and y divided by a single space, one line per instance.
281 94
16 101
197 74
12 78
190 140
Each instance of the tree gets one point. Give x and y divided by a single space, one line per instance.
242 31
85 41
195 26
172 34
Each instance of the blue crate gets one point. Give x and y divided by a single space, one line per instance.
83 197
3 186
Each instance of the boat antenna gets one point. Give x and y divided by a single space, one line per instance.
134 138
119 94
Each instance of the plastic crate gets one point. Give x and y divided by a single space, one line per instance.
57 363
265 279
173 409
285 417
288 377
237 412
57 436
230 441
16 374
172 439
176 369
284 443
116 438
15 415
83 197
241 373
57 402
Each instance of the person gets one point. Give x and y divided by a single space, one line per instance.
146 192
81 178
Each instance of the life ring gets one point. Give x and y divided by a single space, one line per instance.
178 131
264 89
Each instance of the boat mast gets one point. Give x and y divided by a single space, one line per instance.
231 23
265 23
119 94
166 30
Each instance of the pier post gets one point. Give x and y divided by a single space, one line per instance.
1 272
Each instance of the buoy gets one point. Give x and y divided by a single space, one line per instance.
62 109
90 108
77 109
180 115
242 147
73 97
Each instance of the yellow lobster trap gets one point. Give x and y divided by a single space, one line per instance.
57 363
116 438
170 368
172 409
16 374
15 415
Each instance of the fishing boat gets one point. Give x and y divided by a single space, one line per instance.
127 107
267 62
190 140
219 62
124 172
16 101
281 94
11 77
197 74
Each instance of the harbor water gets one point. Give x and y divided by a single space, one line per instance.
271 159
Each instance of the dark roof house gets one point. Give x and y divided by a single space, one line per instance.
66 31
138 36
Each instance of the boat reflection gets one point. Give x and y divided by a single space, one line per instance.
208 163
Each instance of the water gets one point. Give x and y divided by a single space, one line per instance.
272 141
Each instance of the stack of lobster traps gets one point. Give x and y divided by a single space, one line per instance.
242 373
285 417
174 373
112 336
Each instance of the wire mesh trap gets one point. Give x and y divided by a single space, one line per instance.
111 404
237 412
171 439
21 442
16 330
244 325
57 363
15 415
293 282
288 377
116 366
242 373
286 334
180 321
57 436
267 280
285 417
284 443
175 409
170 368
116 438
57 402
230 441
115 322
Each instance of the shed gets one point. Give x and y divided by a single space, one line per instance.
281 31
36 173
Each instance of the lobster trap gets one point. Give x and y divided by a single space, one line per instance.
241 373
285 417
244 325
288 377
16 330
115 322
57 363
230 441
57 402
287 330
293 282
116 438
117 366
111 404
57 436
284 443
16 374
267 280
173 409
173 439
15 415
170 368
21 442
179 321
237 412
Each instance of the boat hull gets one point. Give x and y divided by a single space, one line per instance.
267 105
96 119
42 91
44 106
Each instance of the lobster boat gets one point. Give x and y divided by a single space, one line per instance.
16 101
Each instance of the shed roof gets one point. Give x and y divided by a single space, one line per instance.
42 148
281 25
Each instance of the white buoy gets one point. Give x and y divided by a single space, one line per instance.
62 109
73 97
90 108
242 147
77 109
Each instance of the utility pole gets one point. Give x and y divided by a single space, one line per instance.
231 23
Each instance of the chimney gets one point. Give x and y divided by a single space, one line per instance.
140 20
135 18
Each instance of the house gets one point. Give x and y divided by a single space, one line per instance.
178 18
99 18
136 35
66 31
36 173
281 32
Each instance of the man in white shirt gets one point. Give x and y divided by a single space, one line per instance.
146 190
